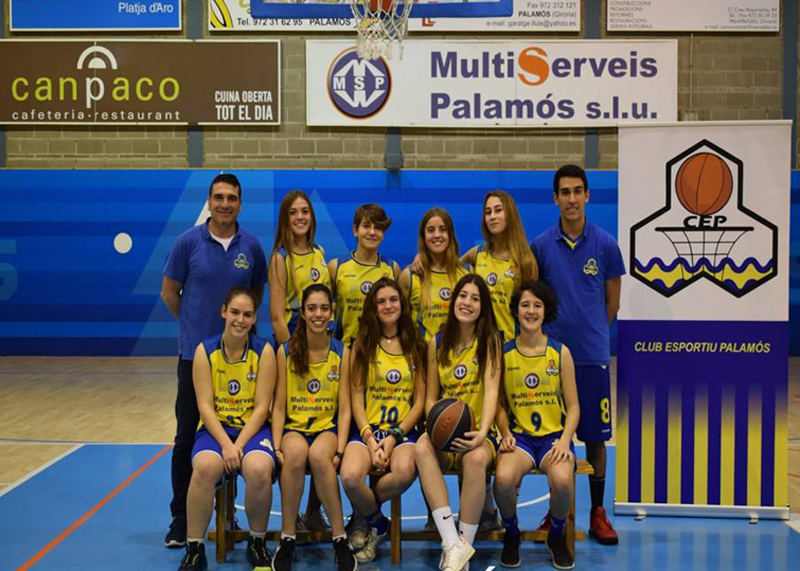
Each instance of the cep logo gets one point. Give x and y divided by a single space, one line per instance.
393 377
357 87
460 372
315 274
234 387
444 293
365 287
314 386
534 66
532 381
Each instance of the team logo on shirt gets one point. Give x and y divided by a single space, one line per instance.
393 377
314 386
251 376
241 262
234 387
491 279
444 293
532 381
509 273
551 369
475 359
365 287
333 376
314 274
460 372
591 269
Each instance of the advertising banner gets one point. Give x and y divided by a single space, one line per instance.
493 84
94 15
528 16
146 82
704 324
694 16
234 16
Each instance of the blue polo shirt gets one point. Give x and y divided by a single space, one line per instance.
577 272
208 273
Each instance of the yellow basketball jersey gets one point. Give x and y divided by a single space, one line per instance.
390 390
499 276
353 282
533 390
312 400
432 317
460 379
309 268
234 382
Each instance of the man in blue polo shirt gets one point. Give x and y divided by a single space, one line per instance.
204 264
583 264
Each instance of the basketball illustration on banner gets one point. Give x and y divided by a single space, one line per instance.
704 231
704 184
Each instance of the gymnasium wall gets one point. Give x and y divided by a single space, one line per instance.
721 77
82 252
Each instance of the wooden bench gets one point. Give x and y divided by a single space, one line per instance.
224 535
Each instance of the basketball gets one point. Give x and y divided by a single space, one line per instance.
704 184
385 6
449 419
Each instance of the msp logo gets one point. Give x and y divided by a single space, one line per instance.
241 262
393 377
591 269
251 375
234 387
708 232
444 293
460 372
314 386
365 287
491 279
315 274
359 88
532 381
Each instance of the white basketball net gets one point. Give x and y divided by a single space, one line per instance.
379 29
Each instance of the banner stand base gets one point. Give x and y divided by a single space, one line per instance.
696 510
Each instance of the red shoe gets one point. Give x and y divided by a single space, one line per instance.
600 528
544 526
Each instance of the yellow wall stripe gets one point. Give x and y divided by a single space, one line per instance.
621 487
754 446
727 447
674 446
781 453
648 445
701 446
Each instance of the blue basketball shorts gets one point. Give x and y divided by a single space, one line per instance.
310 436
537 447
261 442
594 396
410 437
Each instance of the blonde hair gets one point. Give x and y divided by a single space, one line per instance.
451 256
522 258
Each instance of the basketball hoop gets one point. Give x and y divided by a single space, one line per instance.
380 25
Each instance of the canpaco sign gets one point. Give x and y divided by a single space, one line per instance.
494 84
144 82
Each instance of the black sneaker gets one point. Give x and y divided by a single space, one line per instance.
345 560
176 536
282 560
258 555
510 555
195 558
557 546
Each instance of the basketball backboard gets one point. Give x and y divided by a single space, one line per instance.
344 9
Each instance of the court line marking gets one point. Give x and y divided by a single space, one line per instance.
45 442
39 470
85 517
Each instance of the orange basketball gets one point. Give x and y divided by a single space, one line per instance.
704 184
386 5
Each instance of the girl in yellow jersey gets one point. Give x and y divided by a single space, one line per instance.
296 263
505 260
309 423
538 418
464 361
353 275
429 289
234 377
388 381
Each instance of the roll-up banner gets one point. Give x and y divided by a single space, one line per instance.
703 332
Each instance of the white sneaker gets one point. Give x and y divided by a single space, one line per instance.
370 549
456 556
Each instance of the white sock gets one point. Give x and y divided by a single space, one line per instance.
194 540
443 518
343 536
261 535
468 531
284 536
